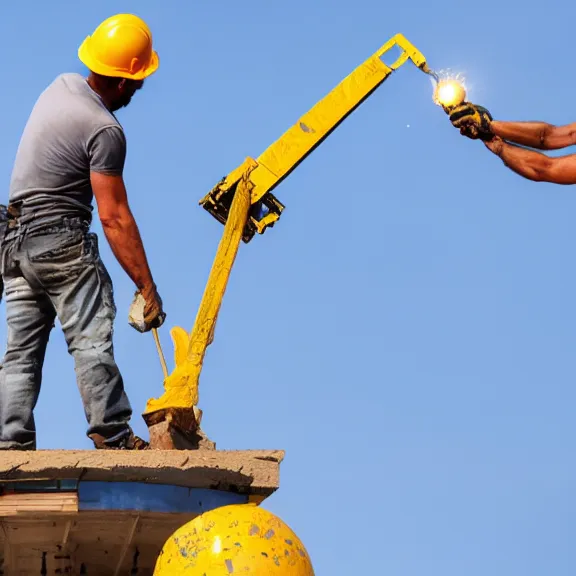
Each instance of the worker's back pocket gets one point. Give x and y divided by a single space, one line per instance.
57 247
54 258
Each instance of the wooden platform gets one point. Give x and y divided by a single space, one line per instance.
109 513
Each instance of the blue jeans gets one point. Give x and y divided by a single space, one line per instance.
53 270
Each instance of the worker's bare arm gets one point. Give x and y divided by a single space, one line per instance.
120 227
538 135
535 165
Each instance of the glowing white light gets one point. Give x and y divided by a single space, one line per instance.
449 90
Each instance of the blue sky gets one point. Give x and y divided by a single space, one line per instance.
407 331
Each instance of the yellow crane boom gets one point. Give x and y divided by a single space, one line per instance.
284 155
244 203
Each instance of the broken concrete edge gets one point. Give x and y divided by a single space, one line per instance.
253 472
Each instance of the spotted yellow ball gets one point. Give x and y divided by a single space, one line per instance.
236 539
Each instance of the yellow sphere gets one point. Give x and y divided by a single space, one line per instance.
449 93
236 539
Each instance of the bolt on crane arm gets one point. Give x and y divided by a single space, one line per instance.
284 155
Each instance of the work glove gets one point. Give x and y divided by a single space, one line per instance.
472 120
146 310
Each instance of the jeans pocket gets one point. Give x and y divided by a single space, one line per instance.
55 259
59 248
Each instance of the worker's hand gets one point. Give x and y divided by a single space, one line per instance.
146 311
472 120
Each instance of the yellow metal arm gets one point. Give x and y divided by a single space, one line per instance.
284 155
244 203
177 403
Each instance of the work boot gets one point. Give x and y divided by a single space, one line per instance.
124 442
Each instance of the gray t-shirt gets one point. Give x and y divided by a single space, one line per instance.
69 134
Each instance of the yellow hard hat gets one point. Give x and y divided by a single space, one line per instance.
121 47
236 539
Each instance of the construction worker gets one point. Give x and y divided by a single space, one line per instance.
505 140
73 149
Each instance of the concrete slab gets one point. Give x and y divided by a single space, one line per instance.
245 471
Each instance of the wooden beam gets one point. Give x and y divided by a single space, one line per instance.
7 564
96 540
66 534
126 545
15 504
64 557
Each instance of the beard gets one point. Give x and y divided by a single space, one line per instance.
121 103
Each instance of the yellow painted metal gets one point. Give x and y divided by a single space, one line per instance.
236 202
181 386
237 539
284 155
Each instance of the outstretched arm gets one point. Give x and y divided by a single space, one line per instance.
538 135
534 165
475 121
